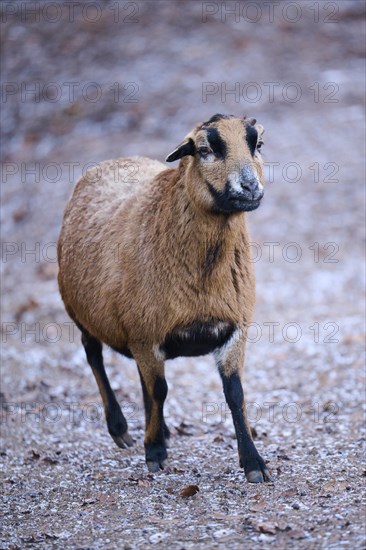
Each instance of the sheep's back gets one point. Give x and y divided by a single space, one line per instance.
100 209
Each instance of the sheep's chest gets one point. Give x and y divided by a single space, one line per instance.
198 338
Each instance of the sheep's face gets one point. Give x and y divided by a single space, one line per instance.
225 154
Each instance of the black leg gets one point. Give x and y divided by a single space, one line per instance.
155 389
116 422
253 464
155 444
147 406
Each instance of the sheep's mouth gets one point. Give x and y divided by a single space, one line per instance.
227 202
245 205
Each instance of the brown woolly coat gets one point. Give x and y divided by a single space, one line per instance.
138 258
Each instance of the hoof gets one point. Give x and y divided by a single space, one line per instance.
255 469
155 467
258 476
123 441
166 466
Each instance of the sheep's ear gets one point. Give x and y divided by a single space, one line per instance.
185 148
251 121
258 127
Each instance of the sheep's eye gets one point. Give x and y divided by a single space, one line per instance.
204 151
259 145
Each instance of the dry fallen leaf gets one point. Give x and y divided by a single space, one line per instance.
19 214
297 534
181 429
49 536
47 271
88 501
265 527
23 308
35 455
106 498
189 491
291 492
143 483
49 460
330 406
333 485
257 506
227 517
97 475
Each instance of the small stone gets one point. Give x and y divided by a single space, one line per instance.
157 537
222 533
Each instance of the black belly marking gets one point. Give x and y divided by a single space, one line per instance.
124 351
198 338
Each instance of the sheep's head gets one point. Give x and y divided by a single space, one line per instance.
224 153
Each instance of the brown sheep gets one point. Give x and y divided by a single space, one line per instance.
153 262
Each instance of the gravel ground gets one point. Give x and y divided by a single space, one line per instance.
133 78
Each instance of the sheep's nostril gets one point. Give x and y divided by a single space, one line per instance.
251 188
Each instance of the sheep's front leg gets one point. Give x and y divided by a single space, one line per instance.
230 361
155 390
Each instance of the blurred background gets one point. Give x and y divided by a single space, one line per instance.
83 82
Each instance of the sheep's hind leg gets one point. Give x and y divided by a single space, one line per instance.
155 390
230 364
116 422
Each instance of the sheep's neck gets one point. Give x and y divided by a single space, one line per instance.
201 235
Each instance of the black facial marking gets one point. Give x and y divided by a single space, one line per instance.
198 338
218 196
216 142
251 137
224 203
212 256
